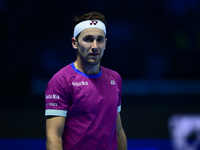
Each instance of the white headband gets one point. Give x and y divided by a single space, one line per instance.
89 24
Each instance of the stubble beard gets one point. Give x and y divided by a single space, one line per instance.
93 62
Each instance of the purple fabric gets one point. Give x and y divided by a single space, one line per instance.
90 104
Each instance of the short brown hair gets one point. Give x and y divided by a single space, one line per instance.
89 16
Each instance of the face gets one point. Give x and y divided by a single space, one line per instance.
90 46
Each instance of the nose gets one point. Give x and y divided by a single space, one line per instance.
94 45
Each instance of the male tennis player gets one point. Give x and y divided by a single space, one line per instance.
83 99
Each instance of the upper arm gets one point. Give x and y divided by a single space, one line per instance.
55 126
118 122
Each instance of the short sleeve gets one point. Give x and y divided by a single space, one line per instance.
56 95
120 92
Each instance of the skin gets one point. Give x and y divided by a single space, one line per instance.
121 136
90 49
54 130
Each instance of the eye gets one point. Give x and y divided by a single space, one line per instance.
88 39
100 39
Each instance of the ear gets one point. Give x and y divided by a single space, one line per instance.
105 42
74 43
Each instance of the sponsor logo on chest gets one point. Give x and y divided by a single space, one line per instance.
112 82
82 83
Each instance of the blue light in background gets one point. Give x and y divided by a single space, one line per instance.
39 144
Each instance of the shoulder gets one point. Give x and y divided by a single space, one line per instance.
110 72
62 75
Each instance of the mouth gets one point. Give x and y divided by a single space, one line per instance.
94 54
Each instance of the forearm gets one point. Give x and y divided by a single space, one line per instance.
121 140
54 143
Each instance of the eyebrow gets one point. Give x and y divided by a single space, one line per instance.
93 36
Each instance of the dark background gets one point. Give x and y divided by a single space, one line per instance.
153 44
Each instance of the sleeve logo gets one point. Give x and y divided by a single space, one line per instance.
51 104
52 96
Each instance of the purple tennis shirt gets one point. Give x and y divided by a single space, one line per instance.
90 104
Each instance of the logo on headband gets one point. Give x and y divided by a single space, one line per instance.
93 22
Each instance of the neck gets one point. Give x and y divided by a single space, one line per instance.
87 68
